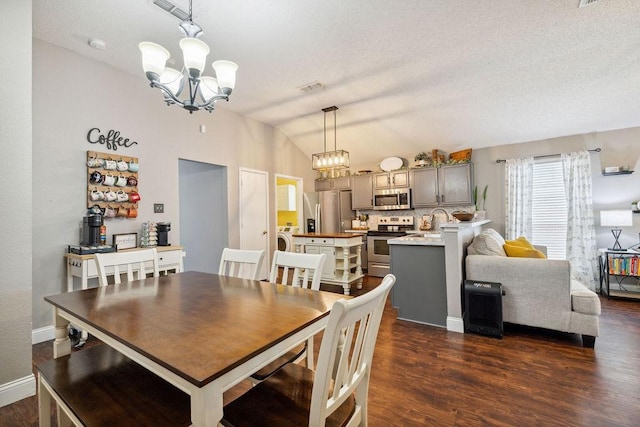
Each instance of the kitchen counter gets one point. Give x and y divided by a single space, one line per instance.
421 239
328 235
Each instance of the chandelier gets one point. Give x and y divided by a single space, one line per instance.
201 92
328 160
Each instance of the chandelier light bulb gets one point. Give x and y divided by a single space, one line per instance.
154 58
195 54
208 87
171 78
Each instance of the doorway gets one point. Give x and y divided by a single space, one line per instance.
203 214
289 192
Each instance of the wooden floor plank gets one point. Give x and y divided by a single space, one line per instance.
424 375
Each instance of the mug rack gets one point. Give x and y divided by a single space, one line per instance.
97 166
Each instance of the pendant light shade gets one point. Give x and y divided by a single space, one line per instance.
154 57
195 53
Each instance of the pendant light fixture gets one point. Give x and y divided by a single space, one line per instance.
201 92
328 160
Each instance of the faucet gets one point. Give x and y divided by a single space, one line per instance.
433 217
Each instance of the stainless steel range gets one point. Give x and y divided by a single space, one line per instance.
378 256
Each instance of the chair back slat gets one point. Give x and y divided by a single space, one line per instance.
305 269
241 263
137 264
348 342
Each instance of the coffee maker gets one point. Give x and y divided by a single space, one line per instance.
163 229
91 230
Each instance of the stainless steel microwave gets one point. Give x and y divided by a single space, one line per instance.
392 199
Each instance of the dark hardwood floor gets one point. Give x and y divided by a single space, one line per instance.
424 375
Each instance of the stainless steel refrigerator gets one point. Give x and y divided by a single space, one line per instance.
331 210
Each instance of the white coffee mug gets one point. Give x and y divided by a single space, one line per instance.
121 181
110 196
122 166
122 196
110 164
96 195
109 180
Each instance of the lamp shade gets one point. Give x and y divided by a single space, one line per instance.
616 218
194 52
154 57
172 79
226 73
208 87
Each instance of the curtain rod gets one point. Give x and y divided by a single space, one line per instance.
595 150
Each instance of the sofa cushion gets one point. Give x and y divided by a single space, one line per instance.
489 242
584 300
521 248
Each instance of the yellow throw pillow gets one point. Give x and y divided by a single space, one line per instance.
520 241
521 248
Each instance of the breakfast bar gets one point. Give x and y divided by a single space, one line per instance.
343 265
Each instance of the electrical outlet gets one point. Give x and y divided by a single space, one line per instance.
158 207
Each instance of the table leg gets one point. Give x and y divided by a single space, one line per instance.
44 404
206 406
61 343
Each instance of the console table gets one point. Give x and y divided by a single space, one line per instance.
84 266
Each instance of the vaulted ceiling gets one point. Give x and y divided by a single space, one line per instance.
407 75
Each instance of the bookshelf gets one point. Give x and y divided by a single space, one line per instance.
620 273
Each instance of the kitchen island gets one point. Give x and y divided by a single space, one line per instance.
420 293
343 265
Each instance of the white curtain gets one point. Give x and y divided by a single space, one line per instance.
519 198
581 236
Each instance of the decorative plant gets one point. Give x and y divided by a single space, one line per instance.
421 156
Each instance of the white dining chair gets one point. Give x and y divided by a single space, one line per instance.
298 270
136 264
340 399
241 263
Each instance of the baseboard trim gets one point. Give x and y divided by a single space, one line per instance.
17 390
455 324
46 333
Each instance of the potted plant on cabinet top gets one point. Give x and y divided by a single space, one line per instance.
480 213
422 158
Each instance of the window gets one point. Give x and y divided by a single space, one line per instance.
549 207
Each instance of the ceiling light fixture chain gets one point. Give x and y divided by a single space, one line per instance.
330 160
204 91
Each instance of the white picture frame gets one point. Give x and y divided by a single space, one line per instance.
125 241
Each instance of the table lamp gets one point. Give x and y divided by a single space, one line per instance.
616 219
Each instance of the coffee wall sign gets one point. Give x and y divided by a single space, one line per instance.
112 139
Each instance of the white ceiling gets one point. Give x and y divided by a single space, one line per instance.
407 75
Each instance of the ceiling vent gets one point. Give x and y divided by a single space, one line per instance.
584 3
309 87
172 9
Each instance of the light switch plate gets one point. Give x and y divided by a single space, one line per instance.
158 207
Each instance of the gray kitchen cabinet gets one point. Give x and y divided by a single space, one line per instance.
393 179
447 185
339 183
362 192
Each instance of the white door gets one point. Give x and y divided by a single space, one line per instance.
254 214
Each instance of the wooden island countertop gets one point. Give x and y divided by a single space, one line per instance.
329 235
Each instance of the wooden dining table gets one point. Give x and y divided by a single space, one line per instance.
201 332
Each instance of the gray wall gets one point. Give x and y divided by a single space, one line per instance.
16 204
74 94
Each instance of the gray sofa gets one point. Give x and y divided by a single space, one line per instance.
538 292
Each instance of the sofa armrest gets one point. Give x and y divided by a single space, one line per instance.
537 291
